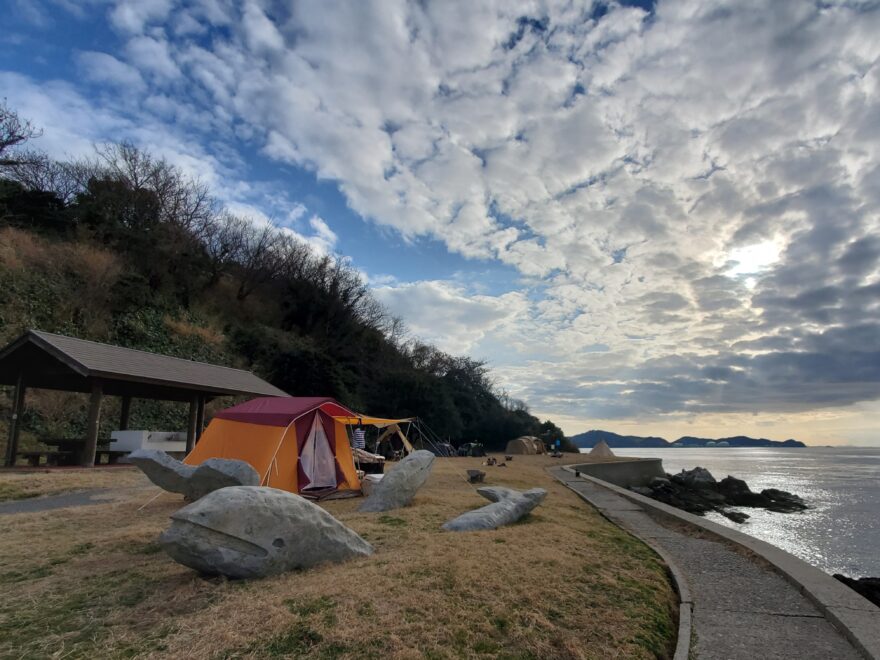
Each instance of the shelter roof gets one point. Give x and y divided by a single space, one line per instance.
53 361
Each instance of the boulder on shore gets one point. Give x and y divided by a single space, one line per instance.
696 491
250 531
398 488
192 481
697 478
507 507
869 587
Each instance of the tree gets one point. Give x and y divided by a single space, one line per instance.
13 132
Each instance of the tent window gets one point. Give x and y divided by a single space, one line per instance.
317 458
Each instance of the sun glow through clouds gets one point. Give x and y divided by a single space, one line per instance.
751 260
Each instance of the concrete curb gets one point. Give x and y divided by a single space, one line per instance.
855 617
685 601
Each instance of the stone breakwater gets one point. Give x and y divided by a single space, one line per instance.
697 491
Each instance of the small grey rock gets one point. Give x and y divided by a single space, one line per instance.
398 488
249 531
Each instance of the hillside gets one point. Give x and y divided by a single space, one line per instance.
589 439
123 248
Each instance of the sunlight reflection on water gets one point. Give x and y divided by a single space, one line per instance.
840 533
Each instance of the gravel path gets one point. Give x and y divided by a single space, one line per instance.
741 609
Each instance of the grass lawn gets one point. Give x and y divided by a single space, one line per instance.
92 582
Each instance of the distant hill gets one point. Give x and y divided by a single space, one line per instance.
739 441
591 438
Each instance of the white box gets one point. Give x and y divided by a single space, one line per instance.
167 441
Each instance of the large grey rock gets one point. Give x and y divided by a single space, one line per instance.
508 506
193 481
166 472
217 473
399 486
697 478
248 531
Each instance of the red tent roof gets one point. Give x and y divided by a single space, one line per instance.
282 410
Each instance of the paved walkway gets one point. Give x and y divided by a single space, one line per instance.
49 502
740 608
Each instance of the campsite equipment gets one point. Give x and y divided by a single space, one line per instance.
471 449
298 444
526 444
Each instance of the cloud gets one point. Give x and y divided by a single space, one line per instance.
104 68
690 196
152 56
133 15
449 316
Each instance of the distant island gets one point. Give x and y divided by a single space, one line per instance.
591 438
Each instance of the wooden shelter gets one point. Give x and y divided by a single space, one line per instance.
43 360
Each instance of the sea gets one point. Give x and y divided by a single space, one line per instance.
839 533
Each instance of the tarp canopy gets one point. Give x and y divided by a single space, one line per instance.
379 422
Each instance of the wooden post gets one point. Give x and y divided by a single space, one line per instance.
125 413
200 418
191 425
15 422
87 459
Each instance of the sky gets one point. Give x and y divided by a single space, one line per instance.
647 217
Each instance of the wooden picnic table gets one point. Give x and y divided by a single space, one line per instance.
68 451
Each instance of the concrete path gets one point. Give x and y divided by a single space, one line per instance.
49 502
740 609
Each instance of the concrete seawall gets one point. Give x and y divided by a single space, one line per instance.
855 617
631 472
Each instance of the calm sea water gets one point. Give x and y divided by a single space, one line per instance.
840 533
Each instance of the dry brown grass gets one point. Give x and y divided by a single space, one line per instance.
186 329
91 581
81 274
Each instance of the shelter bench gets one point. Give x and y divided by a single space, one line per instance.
52 457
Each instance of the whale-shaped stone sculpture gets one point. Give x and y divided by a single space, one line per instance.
507 507
193 481
399 486
248 532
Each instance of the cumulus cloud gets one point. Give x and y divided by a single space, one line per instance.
133 15
446 315
104 68
691 195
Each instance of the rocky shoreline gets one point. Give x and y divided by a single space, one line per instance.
697 491
869 587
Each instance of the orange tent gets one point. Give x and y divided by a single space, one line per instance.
298 444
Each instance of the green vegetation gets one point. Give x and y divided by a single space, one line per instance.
124 248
